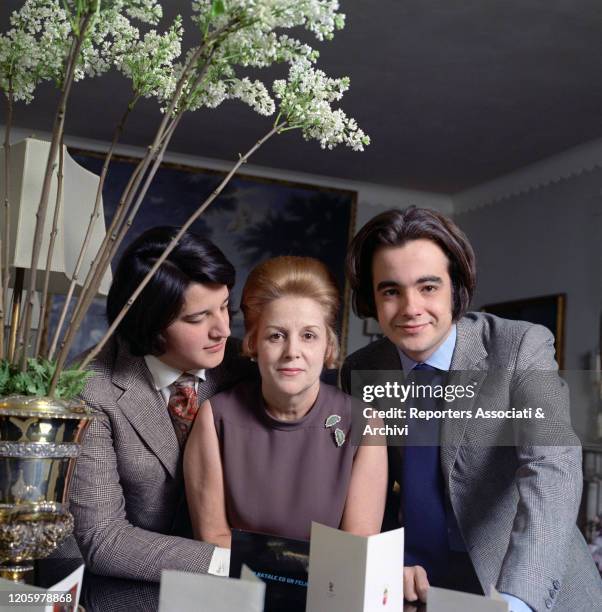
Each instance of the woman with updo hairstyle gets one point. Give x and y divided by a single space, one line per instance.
273 455
291 276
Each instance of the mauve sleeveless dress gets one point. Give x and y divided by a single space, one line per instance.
279 476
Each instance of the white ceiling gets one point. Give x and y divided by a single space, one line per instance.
452 92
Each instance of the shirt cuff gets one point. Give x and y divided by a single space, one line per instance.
220 562
516 604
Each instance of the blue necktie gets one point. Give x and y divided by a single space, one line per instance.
423 501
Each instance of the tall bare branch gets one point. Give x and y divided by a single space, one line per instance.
155 151
89 230
59 123
5 249
242 159
127 206
99 272
53 234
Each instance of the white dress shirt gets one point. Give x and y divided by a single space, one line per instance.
164 377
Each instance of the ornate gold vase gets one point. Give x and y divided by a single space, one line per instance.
39 442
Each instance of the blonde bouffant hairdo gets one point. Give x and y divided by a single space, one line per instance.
290 276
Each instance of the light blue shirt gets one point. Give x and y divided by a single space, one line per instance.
441 359
516 604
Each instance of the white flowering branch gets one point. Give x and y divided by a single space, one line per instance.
197 213
64 44
144 61
305 101
191 78
307 94
233 34
128 207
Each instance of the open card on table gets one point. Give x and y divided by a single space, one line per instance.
444 600
280 562
60 597
186 592
349 573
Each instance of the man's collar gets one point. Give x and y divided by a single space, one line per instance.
440 359
164 375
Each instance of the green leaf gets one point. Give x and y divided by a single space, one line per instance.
36 367
218 7
333 419
36 379
4 376
18 383
35 386
71 383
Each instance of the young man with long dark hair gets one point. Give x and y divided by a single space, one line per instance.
476 513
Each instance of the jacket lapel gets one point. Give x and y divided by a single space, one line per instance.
468 367
145 408
385 357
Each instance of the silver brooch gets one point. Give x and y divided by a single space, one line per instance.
339 434
332 420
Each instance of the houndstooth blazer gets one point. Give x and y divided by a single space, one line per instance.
516 506
127 494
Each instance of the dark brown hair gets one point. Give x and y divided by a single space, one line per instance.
288 275
394 228
193 260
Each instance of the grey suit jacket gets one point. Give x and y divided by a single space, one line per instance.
516 506
127 492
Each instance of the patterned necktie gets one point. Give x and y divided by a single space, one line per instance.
183 406
423 501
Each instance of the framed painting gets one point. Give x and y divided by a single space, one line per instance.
252 220
547 310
